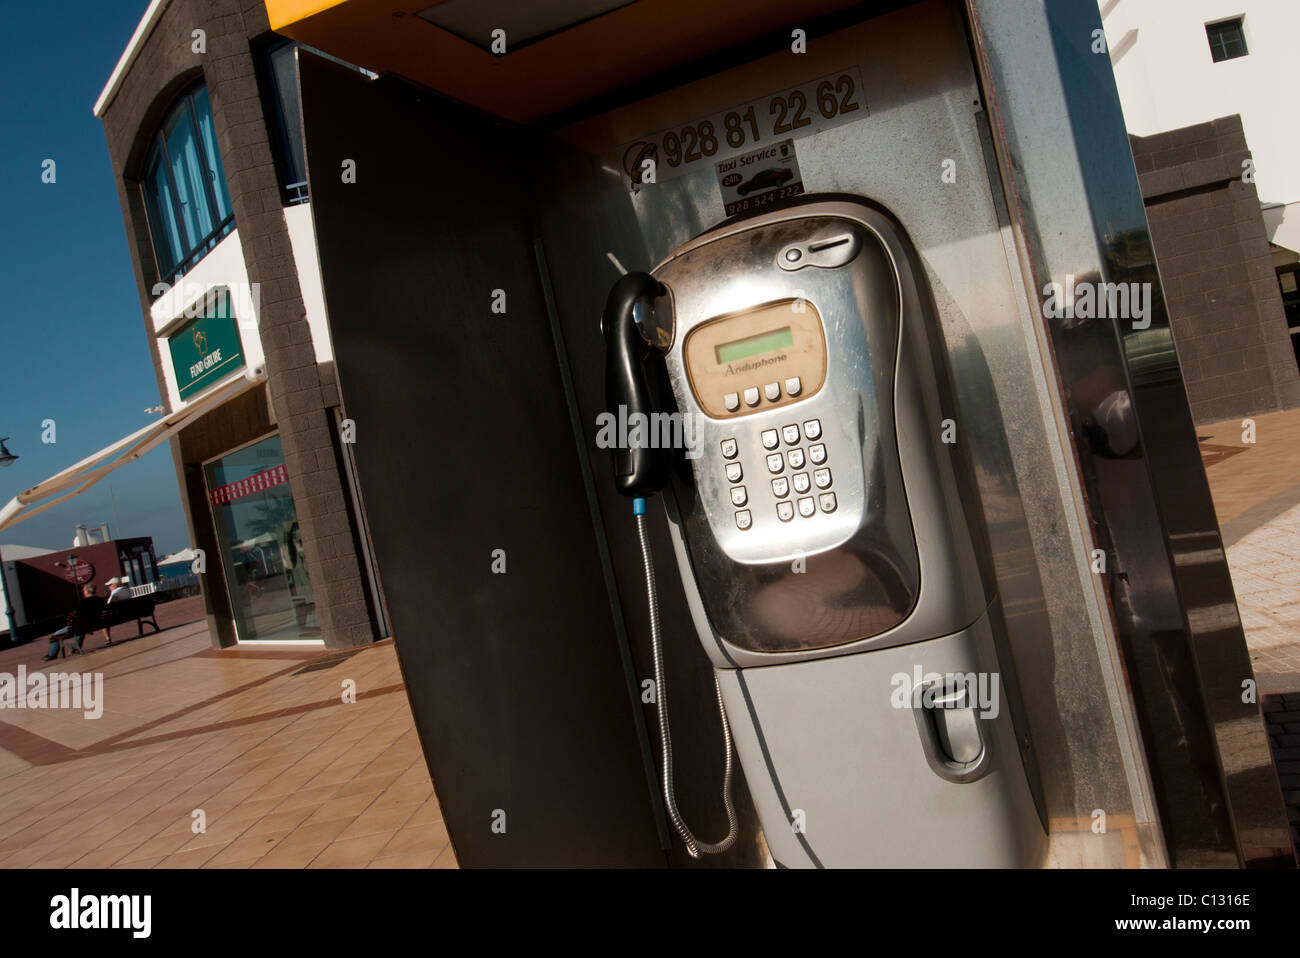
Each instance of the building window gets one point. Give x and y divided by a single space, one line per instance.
1227 41
284 120
184 186
262 552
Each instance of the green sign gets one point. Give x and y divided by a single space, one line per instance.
207 349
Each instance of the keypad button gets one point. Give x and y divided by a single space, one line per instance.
770 439
734 472
751 396
801 483
743 519
781 487
731 401
772 391
729 449
775 463
807 507
739 496
785 511
822 477
793 386
827 500
790 434
813 429
817 454
795 458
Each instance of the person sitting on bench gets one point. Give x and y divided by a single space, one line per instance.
82 620
117 589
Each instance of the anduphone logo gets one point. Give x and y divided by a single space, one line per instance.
105 912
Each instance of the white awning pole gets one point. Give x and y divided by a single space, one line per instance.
135 445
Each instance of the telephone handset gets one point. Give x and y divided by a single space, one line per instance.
639 472
643 470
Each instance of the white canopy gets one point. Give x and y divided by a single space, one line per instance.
185 555
83 475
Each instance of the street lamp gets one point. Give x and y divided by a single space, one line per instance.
71 566
7 458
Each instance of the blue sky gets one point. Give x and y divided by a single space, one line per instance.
72 337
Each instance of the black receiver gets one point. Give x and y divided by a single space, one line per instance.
639 471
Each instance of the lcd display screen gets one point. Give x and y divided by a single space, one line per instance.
766 342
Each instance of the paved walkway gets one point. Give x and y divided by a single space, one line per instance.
1256 490
256 746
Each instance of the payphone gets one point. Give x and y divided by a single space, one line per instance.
828 540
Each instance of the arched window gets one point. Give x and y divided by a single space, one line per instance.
185 194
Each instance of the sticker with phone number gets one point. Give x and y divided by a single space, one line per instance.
811 107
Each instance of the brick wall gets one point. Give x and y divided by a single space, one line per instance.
1220 288
301 394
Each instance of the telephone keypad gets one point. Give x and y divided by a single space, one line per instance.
800 482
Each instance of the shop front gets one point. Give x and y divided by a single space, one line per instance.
263 562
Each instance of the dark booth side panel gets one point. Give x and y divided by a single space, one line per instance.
464 447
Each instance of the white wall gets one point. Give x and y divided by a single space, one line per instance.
1167 79
224 266
302 237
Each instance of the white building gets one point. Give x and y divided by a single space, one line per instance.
1183 62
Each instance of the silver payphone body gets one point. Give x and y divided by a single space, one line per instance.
828 538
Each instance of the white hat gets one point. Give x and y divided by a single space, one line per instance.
113 581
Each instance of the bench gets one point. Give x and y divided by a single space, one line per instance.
137 609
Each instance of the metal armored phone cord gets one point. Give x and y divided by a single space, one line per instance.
693 846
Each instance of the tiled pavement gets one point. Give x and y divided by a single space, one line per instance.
285 773
1256 490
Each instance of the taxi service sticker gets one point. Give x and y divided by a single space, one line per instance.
753 180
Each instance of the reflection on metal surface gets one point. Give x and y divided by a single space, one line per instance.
925 102
1078 207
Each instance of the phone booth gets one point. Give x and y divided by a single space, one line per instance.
715 409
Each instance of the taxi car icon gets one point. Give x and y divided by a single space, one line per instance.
766 179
